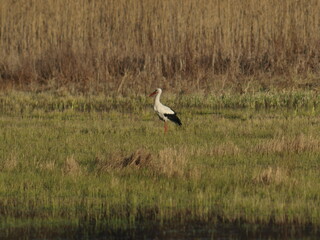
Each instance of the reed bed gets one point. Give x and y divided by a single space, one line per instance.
120 46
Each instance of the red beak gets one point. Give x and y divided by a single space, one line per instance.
152 94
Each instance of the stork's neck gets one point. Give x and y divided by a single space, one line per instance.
157 99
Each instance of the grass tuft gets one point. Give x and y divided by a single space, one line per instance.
272 175
139 159
171 162
71 167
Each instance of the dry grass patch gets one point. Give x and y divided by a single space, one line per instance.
10 163
272 175
220 150
105 164
297 144
71 167
141 158
224 149
169 162
46 166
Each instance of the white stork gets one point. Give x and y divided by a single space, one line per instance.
165 113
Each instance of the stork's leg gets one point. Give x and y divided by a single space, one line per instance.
165 127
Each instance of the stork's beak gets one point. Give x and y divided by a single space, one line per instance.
152 94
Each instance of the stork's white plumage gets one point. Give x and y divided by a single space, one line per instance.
165 113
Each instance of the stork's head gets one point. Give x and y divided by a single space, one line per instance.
157 91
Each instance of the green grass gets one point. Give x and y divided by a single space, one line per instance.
99 161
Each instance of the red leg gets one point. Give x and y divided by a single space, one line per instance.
165 127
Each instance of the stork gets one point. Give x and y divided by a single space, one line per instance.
165 113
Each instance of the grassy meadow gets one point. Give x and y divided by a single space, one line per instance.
74 161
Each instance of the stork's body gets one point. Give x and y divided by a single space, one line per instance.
165 113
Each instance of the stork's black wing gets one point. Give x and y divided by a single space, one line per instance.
174 118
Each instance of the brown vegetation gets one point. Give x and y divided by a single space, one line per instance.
273 175
121 45
168 162
141 158
280 145
71 166
9 163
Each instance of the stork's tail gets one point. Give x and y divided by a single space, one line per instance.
174 118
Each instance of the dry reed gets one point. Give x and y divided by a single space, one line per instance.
130 45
